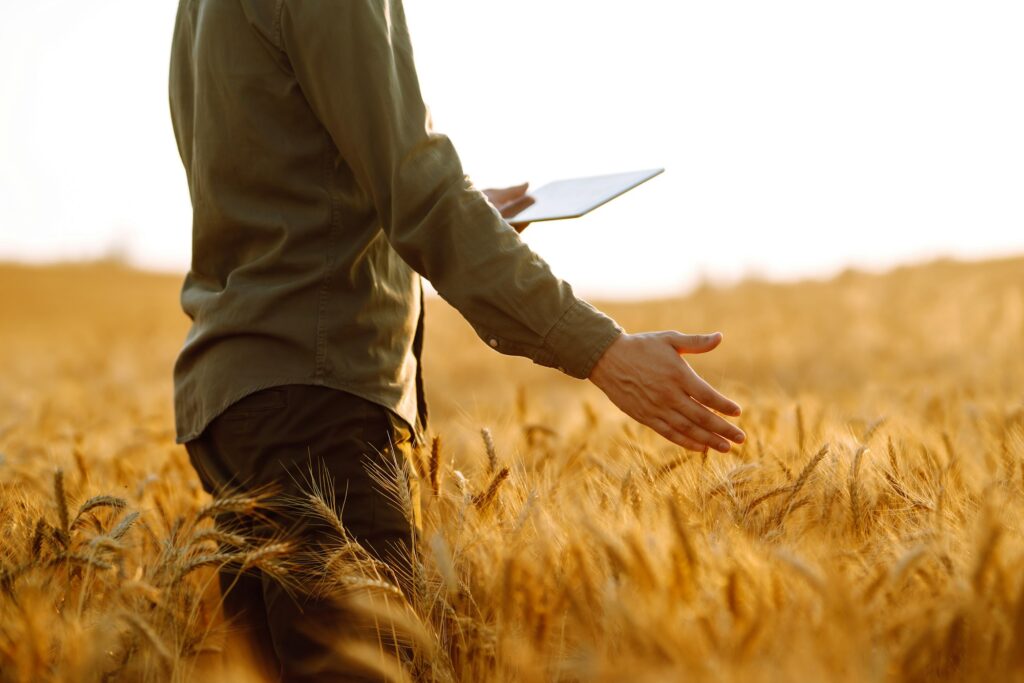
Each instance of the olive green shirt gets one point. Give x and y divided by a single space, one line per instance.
320 195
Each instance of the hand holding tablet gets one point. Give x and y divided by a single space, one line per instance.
574 197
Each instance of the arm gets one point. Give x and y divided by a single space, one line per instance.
354 63
353 60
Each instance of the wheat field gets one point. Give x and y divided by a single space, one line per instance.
870 529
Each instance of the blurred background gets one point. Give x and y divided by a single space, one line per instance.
800 138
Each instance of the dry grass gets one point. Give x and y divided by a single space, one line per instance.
869 530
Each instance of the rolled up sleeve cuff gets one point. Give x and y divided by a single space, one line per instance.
579 338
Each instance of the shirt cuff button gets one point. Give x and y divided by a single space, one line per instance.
493 343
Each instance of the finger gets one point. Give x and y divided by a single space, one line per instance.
516 206
694 385
517 190
504 195
674 436
694 343
710 421
685 426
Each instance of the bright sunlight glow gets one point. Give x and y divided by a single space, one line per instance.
799 137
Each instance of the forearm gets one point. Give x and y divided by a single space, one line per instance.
479 264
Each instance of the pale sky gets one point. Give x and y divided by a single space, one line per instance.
798 137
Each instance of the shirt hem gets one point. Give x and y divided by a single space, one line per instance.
185 435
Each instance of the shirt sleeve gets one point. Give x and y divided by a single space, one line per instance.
353 60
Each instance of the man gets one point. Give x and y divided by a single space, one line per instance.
320 196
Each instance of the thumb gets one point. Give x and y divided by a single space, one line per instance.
694 343
507 194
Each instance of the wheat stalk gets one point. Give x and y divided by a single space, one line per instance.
492 454
484 499
435 465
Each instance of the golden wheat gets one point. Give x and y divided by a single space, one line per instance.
591 550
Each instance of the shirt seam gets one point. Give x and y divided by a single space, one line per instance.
320 356
278 37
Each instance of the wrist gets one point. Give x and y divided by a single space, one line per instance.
579 338
606 358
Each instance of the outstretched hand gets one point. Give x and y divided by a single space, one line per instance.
510 201
647 378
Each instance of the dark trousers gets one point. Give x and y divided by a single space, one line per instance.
276 437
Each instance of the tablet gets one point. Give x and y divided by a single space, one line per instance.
575 197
